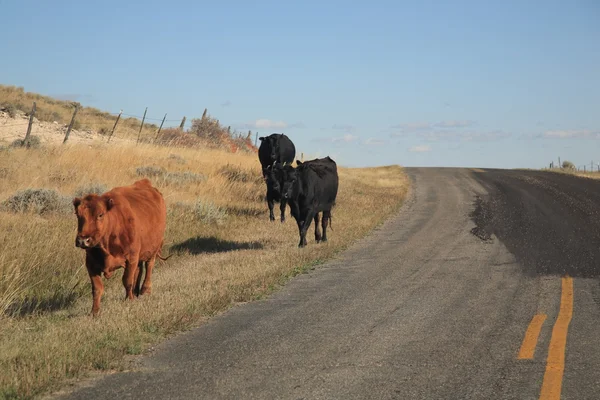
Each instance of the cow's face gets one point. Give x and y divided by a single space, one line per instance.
91 219
273 177
290 175
272 143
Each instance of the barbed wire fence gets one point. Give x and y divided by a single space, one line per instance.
593 166
179 123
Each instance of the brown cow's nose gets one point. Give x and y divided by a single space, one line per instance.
83 242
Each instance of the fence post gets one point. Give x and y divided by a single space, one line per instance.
256 140
142 125
584 167
160 127
114 126
71 124
26 140
559 164
182 123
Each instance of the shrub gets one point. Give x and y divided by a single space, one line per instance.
568 165
182 178
38 201
204 211
91 188
10 109
150 171
34 142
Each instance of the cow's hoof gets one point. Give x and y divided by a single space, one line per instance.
145 290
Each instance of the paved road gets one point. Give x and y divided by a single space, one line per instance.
421 309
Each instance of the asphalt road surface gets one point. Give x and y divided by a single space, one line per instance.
483 287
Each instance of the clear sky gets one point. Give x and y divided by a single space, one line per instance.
432 83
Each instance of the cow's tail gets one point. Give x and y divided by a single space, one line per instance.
159 255
164 259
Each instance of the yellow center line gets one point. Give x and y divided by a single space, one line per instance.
531 337
555 363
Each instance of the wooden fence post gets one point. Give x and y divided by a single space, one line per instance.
182 123
71 124
142 125
160 127
26 140
256 140
114 126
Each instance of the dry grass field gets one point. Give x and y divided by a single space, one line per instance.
225 251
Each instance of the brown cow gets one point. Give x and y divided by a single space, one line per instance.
123 227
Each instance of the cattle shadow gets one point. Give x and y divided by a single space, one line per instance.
42 305
203 245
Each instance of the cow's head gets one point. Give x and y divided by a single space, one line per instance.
273 176
91 214
272 143
289 178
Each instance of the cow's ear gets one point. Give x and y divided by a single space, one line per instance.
261 138
110 202
298 162
76 203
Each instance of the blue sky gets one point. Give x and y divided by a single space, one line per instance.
432 83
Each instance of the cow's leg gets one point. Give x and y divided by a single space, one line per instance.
131 266
317 231
147 287
97 285
305 224
271 204
325 221
138 278
282 209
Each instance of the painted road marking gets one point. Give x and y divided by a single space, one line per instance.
531 337
555 363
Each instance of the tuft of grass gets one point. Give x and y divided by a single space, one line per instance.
150 171
10 109
34 142
37 201
225 250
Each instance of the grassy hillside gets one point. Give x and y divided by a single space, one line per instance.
205 131
225 251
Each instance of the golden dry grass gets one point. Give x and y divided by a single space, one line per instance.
591 175
46 335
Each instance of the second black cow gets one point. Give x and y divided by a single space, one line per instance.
275 149
311 188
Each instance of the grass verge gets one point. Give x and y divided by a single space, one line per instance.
225 251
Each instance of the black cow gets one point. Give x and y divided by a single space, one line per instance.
275 148
274 179
311 188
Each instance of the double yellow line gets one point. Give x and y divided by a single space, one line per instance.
555 363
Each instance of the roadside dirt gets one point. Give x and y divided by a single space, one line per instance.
15 128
